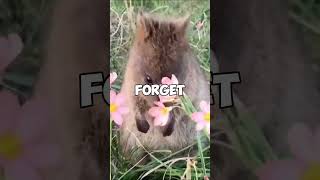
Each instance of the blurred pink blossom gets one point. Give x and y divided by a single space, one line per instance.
113 77
202 118
168 81
24 146
305 147
117 107
10 48
160 113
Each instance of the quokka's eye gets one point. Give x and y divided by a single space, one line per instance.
148 79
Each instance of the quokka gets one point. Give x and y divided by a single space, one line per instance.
160 49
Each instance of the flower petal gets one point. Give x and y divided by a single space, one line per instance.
43 155
163 98
159 103
154 111
9 110
120 99
113 77
166 80
197 117
165 120
281 170
21 170
117 118
113 96
157 121
174 79
300 142
204 106
160 121
123 110
15 44
34 121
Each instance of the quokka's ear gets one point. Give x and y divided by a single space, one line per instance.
182 25
140 19
144 25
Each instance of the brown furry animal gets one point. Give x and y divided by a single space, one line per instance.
278 85
75 44
160 49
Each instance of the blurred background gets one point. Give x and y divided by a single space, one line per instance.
258 38
29 20
305 15
273 46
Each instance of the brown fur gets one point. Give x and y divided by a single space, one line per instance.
76 44
160 49
257 39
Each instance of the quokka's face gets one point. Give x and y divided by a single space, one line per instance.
159 50
150 69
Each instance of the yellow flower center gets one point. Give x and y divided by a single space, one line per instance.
165 111
207 117
10 146
312 173
113 107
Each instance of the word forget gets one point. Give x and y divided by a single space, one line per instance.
95 84
163 90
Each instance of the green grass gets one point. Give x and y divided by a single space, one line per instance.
123 16
306 14
163 164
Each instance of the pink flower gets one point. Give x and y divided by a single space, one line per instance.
160 113
168 81
113 77
10 48
202 118
117 107
24 146
305 147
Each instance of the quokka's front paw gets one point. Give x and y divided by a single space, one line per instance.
142 124
168 129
